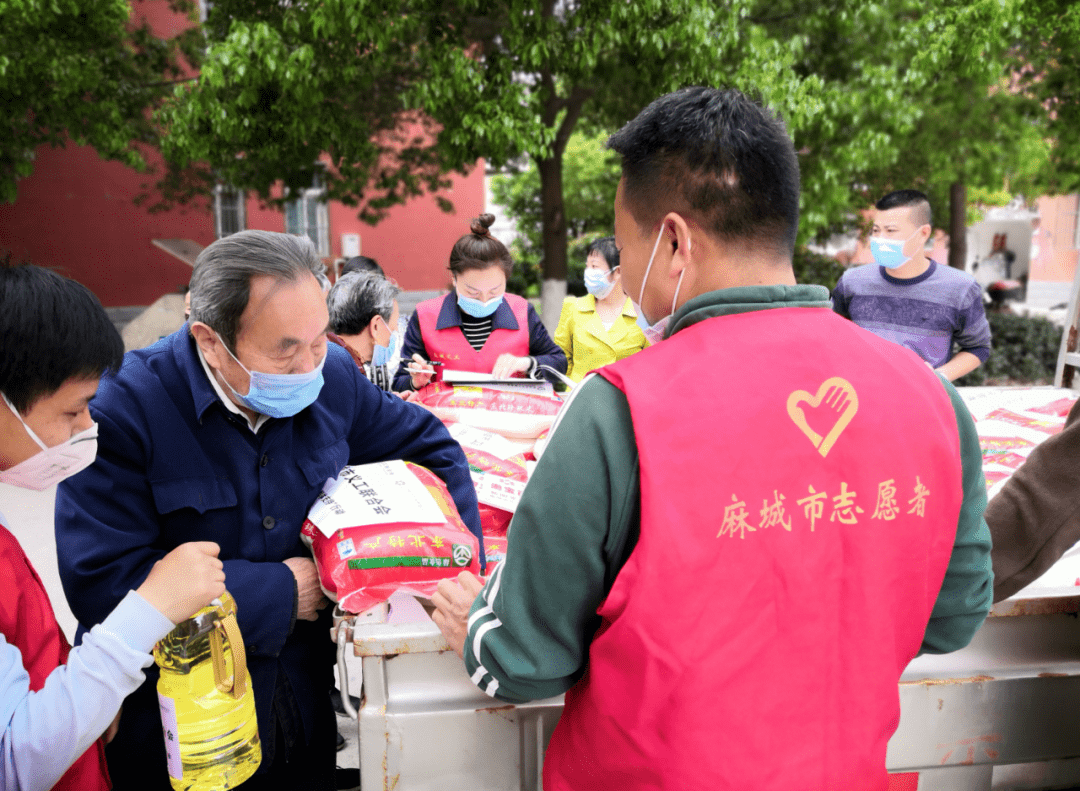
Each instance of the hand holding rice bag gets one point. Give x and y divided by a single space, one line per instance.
381 528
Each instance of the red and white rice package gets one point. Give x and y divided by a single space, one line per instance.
499 475
381 528
517 416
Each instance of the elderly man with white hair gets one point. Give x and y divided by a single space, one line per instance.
363 319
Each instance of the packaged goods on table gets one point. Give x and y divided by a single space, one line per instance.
386 527
499 475
1011 422
518 416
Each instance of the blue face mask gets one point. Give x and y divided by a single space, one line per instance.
478 309
597 283
382 355
889 253
279 395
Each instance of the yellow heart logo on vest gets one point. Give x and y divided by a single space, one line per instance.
836 401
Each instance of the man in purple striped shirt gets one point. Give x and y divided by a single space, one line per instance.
911 300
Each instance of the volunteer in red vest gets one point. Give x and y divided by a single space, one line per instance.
738 571
477 326
57 702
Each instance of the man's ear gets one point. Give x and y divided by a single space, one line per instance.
209 343
678 238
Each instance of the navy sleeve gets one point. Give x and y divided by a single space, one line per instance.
973 334
412 344
386 427
109 531
840 299
544 350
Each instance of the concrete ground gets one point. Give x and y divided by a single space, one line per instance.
29 516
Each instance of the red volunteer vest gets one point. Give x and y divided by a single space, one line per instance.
799 503
28 623
450 347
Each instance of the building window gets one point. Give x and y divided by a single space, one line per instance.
229 214
306 216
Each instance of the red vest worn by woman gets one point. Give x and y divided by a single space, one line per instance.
28 623
449 346
799 504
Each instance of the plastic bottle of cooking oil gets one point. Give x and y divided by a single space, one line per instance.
207 706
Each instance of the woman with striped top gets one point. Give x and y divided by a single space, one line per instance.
477 326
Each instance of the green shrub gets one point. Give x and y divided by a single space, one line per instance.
1024 350
814 269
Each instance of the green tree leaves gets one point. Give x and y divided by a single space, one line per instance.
80 70
392 95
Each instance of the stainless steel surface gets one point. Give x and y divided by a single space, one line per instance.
1010 698
424 725
963 778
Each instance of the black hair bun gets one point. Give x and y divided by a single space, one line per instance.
480 225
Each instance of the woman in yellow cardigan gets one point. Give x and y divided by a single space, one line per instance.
600 327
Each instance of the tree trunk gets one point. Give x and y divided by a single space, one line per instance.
553 286
958 225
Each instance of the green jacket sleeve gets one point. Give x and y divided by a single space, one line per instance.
966 593
530 628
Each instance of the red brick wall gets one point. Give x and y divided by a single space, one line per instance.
76 213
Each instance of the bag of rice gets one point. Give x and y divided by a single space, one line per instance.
519 417
381 528
499 476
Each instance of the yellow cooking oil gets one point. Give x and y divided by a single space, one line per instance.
207 706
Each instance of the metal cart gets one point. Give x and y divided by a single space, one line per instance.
1008 703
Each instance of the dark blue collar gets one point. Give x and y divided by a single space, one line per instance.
911 281
186 354
450 315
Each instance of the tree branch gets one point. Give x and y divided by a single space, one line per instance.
163 83
574 104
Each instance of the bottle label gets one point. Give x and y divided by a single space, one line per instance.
172 738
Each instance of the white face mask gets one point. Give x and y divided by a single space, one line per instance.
654 333
51 465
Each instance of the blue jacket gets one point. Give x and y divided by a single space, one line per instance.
175 465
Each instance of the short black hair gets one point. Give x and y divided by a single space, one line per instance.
362 263
52 330
605 246
719 158
913 198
